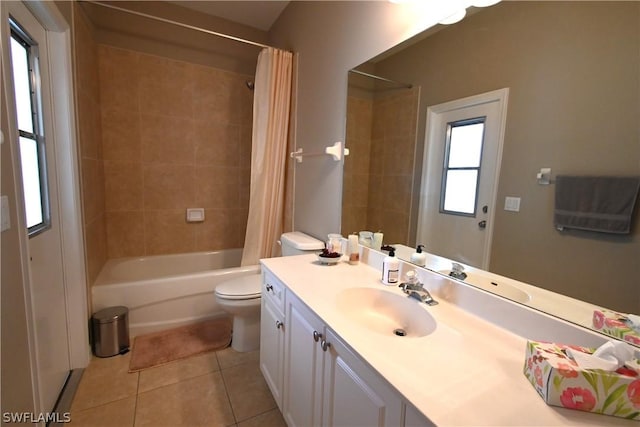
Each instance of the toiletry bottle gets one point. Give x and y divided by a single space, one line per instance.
353 249
418 257
390 269
377 240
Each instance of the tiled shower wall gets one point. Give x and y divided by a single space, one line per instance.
379 171
175 135
355 186
90 144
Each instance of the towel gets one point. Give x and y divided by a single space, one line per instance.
595 203
609 356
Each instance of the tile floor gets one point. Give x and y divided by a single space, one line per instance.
222 388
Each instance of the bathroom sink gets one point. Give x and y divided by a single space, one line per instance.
387 313
496 286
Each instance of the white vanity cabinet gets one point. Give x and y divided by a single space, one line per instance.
272 334
325 383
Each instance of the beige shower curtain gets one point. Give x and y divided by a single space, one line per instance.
271 109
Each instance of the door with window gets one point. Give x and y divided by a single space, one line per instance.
463 148
27 42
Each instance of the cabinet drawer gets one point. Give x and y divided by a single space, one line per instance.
273 290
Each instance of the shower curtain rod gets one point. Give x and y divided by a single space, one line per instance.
373 76
180 24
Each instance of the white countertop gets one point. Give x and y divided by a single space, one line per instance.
467 372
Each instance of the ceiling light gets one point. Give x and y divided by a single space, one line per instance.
456 17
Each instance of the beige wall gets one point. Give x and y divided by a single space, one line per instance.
176 135
331 38
573 70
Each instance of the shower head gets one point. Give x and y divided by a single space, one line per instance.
250 84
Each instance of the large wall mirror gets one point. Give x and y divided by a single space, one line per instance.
573 74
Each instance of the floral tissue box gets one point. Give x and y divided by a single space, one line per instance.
615 325
560 382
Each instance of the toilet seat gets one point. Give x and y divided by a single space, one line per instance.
240 288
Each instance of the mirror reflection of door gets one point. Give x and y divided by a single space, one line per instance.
463 148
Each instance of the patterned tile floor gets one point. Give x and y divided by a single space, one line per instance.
222 388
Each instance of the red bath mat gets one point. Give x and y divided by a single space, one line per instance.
159 348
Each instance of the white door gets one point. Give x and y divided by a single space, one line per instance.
463 149
28 42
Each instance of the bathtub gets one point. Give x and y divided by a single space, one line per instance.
167 291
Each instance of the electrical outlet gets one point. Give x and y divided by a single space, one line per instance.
512 204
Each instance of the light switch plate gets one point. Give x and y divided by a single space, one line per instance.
512 204
5 219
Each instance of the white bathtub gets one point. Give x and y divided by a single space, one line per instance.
166 291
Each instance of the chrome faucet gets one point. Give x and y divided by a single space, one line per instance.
414 289
457 271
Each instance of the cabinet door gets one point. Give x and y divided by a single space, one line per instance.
354 394
272 348
303 366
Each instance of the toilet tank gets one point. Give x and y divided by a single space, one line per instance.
297 243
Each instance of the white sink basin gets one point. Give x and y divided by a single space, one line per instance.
386 313
496 286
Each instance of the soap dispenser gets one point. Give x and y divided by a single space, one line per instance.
390 269
418 257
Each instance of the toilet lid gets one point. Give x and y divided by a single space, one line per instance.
244 287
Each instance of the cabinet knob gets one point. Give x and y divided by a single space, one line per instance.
269 288
316 336
325 345
279 324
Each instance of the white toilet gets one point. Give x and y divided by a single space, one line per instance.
240 297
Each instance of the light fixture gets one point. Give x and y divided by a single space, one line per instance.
484 3
456 17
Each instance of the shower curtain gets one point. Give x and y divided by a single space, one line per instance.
271 110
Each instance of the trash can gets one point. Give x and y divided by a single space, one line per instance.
110 328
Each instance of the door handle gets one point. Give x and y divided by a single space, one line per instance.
482 224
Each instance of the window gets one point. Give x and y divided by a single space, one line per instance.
26 78
463 152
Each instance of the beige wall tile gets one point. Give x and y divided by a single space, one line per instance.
217 187
125 234
95 247
167 87
167 232
88 125
189 127
217 143
219 96
92 189
169 186
119 79
121 135
167 139
223 228
123 186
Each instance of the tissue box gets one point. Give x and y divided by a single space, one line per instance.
560 382
613 324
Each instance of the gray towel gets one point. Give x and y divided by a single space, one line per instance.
595 203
